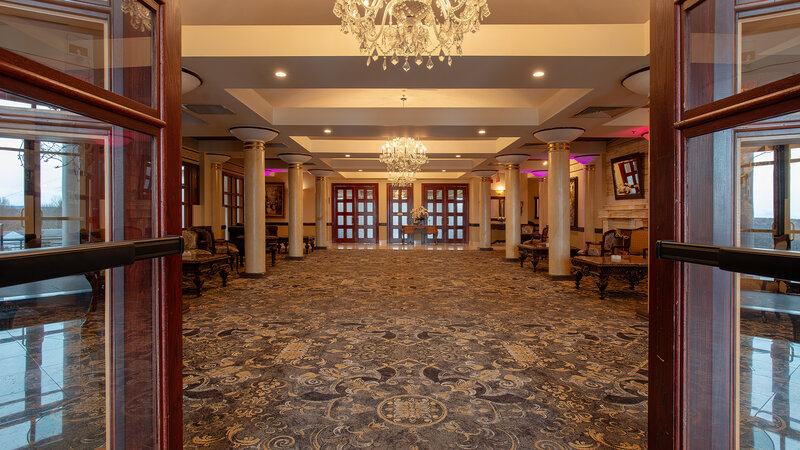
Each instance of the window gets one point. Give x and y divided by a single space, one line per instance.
233 198
190 192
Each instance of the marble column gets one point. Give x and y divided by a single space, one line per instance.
215 162
254 228
513 203
589 210
485 186
558 140
321 189
295 207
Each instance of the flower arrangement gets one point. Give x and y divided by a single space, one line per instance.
419 214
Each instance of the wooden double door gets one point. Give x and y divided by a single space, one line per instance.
400 203
448 210
355 213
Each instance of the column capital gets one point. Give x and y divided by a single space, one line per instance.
253 145
590 167
295 165
558 147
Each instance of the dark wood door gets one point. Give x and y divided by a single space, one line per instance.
355 213
448 210
104 95
400 202
725 115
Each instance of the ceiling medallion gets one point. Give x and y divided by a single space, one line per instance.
410 29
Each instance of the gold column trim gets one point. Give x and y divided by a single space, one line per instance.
557 146
254 146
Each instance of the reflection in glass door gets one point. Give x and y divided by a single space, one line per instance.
401 201
448 210
355 213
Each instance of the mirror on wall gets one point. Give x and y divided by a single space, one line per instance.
498 208
626 175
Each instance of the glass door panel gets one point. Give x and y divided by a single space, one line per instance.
66 181
401 201
77 43
739 194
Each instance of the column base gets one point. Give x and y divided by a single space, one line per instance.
515 260
320 248
562 277
294 258
487 249
251 275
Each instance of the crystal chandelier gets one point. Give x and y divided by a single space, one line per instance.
404 154
410 29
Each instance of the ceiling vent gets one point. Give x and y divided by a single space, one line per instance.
208 109
601 112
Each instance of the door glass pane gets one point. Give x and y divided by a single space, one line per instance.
439 194
733 178
349 233
395 207
450 233
404 194
404 208
361 233
361 220
395 194
349 220
370 220
349 207
369 194
768 48
340 207
370 207
340 194
459 234
459 208
396 220
360 207
349 194
370 233
79 45
395 233
340 220
460 221
341 233
451 207
360 194
53 193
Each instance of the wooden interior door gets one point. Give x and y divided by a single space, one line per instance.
104 93
355 213
448 210
400 202
725 125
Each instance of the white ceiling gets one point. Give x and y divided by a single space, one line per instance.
585 48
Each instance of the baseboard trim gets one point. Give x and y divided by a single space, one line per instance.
251 275
515 260
562 277
488 249
294 258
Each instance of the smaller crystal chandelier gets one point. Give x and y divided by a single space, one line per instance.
396 29
401 179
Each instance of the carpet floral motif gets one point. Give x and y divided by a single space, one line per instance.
413 350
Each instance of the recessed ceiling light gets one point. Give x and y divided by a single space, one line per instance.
360 170
346 156
444 170
280 74
538 74
481 131
545 163
328 131
458 156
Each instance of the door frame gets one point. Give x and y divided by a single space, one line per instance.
23 76
670 126
376 199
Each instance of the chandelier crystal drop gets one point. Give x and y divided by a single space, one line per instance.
410 29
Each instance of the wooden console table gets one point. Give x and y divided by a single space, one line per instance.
429 229
198 266
631 268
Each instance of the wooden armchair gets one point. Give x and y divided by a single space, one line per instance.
608 245
538 237
637 242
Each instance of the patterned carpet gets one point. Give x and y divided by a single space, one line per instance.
413 350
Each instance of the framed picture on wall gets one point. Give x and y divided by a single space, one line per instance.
627 177
573 202
275 200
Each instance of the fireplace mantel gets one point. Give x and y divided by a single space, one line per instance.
624 216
